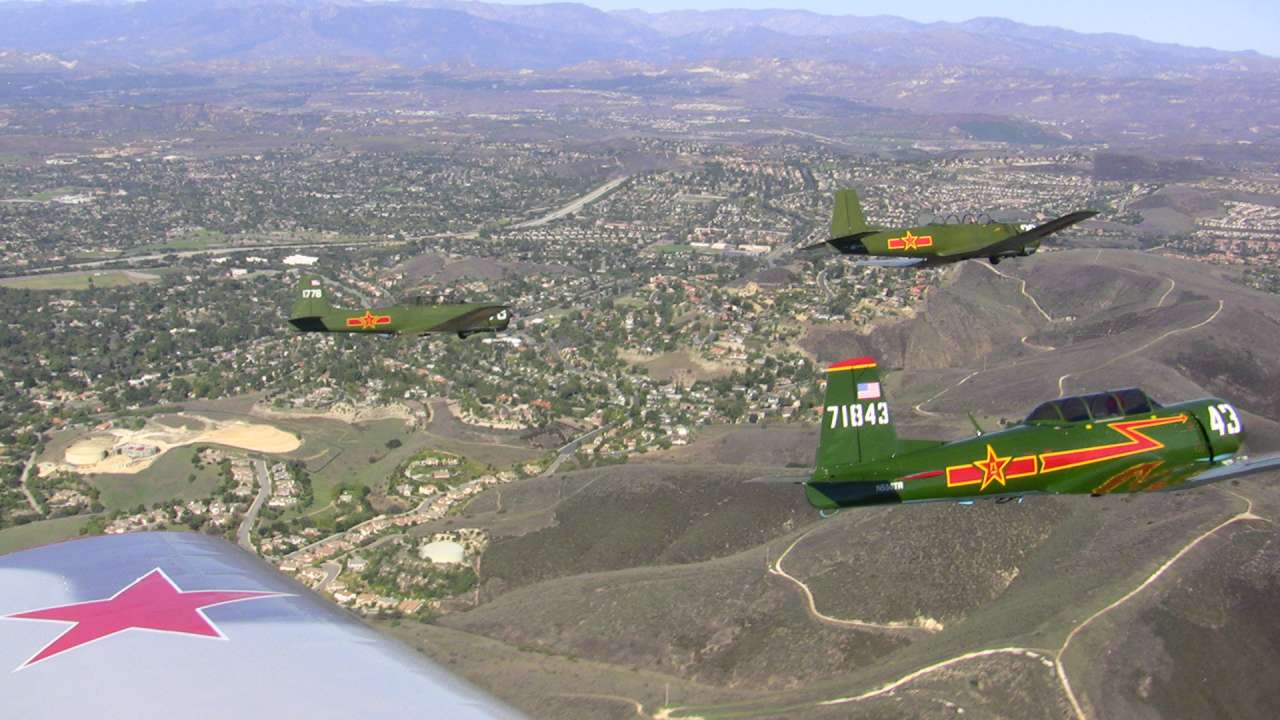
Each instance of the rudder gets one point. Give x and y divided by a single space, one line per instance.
310 300
856 426
846 216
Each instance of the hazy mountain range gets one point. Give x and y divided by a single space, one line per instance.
422 33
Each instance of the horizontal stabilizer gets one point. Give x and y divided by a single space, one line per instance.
847 245
781 479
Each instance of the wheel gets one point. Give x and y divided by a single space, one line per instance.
995 260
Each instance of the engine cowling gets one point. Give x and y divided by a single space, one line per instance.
1222 424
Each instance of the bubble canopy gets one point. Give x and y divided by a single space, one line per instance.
1098 406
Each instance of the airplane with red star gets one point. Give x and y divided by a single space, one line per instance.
1101 443
312 312
935 243
157 625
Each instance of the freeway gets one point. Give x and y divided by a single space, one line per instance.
131 259
574 206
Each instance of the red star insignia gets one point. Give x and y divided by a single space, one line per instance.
992 468
152 602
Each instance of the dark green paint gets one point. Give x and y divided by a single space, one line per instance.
863 462
312 312
935 243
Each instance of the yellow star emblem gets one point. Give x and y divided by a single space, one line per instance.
910 242
368 320
993 468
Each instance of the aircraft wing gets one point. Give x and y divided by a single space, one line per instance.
1039 232
467 318
165 625
1238 467
895 262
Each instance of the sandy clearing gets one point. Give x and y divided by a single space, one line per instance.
101 453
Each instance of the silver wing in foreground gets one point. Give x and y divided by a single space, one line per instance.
180 625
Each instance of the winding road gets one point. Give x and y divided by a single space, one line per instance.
26 473
251 517
1050 658
1170 333
776 569
1023 288
919 407
1060 668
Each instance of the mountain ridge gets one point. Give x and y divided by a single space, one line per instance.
421 33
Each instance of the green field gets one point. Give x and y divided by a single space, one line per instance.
674 248
79 280
47 195
337 453
197 239
41 533
163 481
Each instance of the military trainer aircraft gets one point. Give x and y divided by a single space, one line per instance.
933 244
1120 441
313 313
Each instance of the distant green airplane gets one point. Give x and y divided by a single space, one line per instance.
936 243
1109 442
312 313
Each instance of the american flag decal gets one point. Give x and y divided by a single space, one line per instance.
869 391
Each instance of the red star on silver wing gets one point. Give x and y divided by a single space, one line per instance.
152 602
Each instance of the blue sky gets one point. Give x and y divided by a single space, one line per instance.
1223 24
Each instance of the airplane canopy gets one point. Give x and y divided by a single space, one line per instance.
1098 406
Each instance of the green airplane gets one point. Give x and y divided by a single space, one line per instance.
312 313
933 244
1109 442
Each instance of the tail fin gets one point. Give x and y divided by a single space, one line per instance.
846 217
856 427
310 299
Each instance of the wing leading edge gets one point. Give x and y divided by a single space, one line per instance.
1238 467
152 624
1039 232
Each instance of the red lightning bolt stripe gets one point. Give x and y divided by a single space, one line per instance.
1138 442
